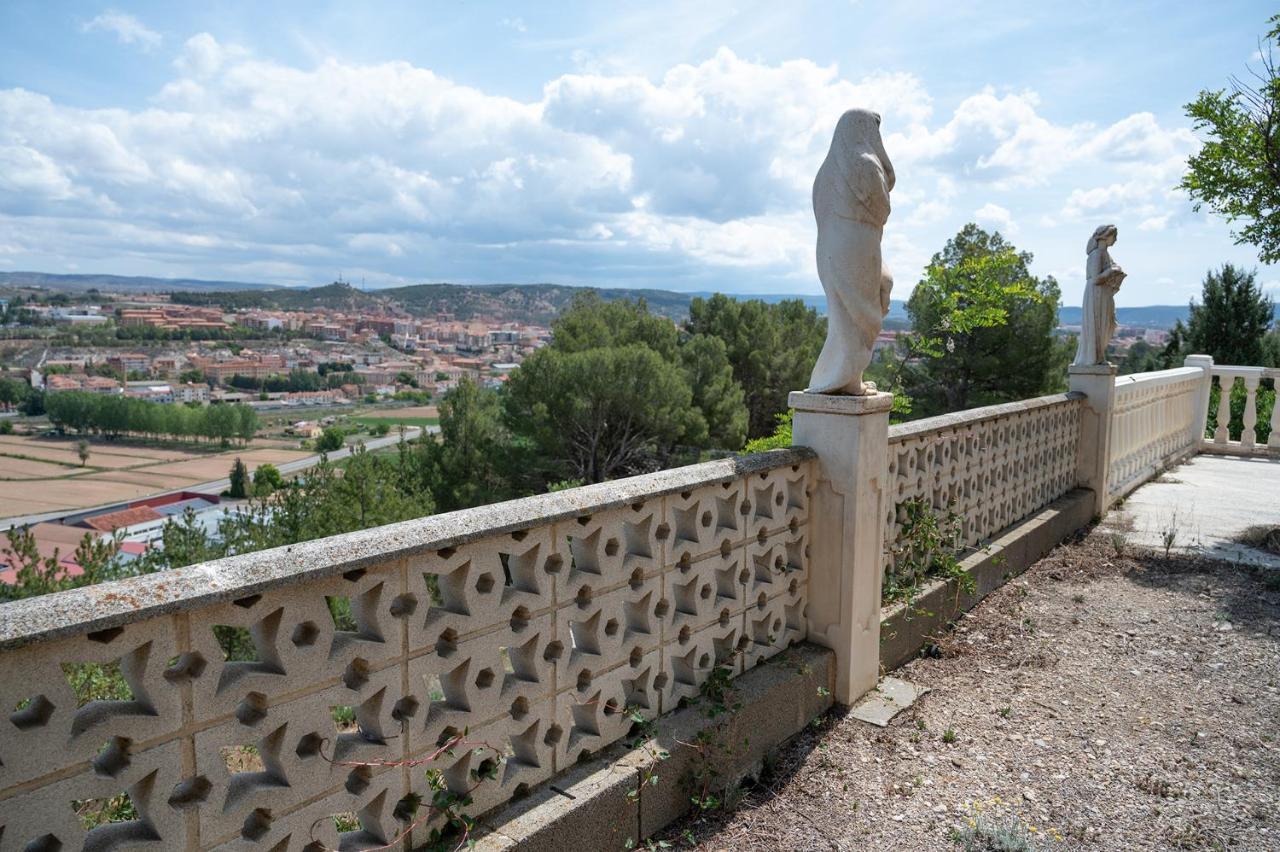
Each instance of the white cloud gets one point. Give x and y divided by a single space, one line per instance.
126 28
996 216
290 173
516 24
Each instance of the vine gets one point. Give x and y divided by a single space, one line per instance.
456 824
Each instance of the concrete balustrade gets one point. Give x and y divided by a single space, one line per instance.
1227 378
538 626
1155 422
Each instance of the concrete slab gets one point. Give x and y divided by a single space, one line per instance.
890 697
1205 506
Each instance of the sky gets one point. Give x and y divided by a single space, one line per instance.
668 145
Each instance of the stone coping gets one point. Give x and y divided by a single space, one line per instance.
1159 377
107 605
904 431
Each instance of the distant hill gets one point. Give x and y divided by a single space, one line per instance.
538 303
119 283
1150 316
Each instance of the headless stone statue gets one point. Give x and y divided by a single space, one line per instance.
851 204
1102 280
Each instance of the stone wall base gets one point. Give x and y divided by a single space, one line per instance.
905 629
606 802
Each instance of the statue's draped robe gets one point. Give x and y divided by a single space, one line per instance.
851 204
1098 314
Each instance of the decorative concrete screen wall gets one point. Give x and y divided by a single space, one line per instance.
534 624
992 466
1157 419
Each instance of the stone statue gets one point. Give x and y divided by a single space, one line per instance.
1101 283
851 204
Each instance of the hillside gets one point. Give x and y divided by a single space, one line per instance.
538 303
119 283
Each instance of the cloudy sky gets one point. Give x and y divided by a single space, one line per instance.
659 144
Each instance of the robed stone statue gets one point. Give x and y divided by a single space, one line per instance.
1102 279
851 204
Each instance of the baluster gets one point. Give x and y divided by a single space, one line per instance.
1248 436
1273 440
1225 384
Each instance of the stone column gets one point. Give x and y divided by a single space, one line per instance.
1098 383
1201 419
850 434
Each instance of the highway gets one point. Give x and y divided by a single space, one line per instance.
217 486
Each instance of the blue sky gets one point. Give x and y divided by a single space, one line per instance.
660 144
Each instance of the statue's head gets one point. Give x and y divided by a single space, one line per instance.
1102 235
857 136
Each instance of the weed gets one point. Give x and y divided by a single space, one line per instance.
949 736
999 832
927 546
1005 711
1077 598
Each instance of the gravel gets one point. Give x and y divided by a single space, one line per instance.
1107 699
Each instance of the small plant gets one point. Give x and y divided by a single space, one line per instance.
998 831
1170 533
1077 598
1005 711
949 736
928 545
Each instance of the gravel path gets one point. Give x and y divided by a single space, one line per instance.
1107 699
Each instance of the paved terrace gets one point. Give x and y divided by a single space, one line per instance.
1214 506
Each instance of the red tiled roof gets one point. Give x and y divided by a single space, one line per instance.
124 518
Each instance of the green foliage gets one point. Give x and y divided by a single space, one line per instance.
332 438
716 393
470 462
771 348
82 450
370 490
38 575
1237 170
601 413
239 479
266 479
114 415
780 438
928 545
983 328
1232 319
6 427
13 392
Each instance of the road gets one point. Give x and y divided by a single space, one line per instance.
217 486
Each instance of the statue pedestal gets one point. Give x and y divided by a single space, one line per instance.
846 520
1098 384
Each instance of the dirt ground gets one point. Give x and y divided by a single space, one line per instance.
40 474
1105 700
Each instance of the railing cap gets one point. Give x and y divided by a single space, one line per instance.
904 431
112 604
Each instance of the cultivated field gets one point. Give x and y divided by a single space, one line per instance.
44 474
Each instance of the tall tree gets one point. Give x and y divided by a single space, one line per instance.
468 464
983 328
603 413
715 391
239 480
771 347
1232 319
1237 171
